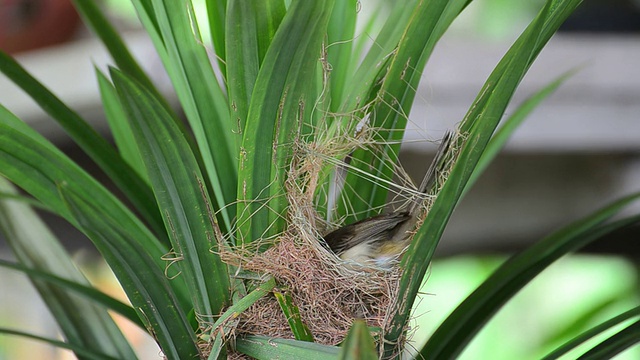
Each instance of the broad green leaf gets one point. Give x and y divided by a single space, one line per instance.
615 344
578 340
266 348
477 128
82 352
292 314
459 328
358 344
202 100
281 105
100 151
117 118
83 322
250 28
143 281
181 195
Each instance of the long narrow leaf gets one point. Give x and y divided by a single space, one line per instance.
88 292
83 322
35 165
120 129
100 151
291 312
615 344
578 340
143 281
503 134
340 37
358 344
250 28
392 104
118 50
281 104
181 195
243 304
202 100
477 127
216 13
265 348
457 330
87 353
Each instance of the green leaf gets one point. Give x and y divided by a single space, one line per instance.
181 195
83 322
95 18
262 347
143 281
459 328
292 314
120 129
244 303
88 292
100 151
575 342
499 139
615 344
35 165
82 352
392 102
250 28
216 13
281 104
202 100
477 128
340 37
358 344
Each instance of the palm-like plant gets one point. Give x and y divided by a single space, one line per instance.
291 76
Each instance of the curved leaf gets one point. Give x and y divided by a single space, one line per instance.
181 195
202 100
477 128
358 344
83 322
100 151
262 347
88 292
615 344
573 343
81 351
143 281
281 105
459 328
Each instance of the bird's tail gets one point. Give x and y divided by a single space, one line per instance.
435 169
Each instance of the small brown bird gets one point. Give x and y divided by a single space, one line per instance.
380 240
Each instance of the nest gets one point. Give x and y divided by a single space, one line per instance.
329 292
329 295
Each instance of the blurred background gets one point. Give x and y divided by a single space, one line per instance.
579 150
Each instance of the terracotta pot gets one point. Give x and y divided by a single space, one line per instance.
31 24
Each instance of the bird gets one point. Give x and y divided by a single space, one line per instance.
380 240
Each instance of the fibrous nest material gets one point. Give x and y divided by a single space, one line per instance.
328 292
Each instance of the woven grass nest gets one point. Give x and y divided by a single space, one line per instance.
329 292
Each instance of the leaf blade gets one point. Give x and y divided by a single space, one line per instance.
180 194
